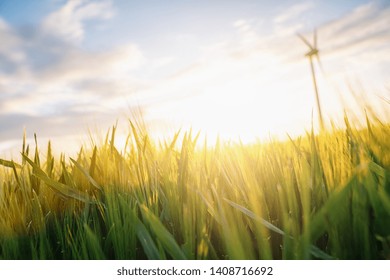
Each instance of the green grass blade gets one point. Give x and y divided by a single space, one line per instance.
86 174
162 234
329 211
9 163
255 217
57 186
146 241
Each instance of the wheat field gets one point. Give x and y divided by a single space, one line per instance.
319 196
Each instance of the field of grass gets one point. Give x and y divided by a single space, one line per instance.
323 196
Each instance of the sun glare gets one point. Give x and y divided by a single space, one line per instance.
234 99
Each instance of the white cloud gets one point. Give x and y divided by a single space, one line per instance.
79 77
44 76
242 25
290 21
68 22
77 65
10 43
366 28
293 12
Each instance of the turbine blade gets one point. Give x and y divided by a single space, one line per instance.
305 41
315 38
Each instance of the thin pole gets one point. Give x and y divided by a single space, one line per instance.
317 95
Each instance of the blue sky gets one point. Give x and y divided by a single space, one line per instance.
229 68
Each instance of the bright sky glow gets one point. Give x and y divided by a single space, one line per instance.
230 68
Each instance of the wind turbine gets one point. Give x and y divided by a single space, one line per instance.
313 52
